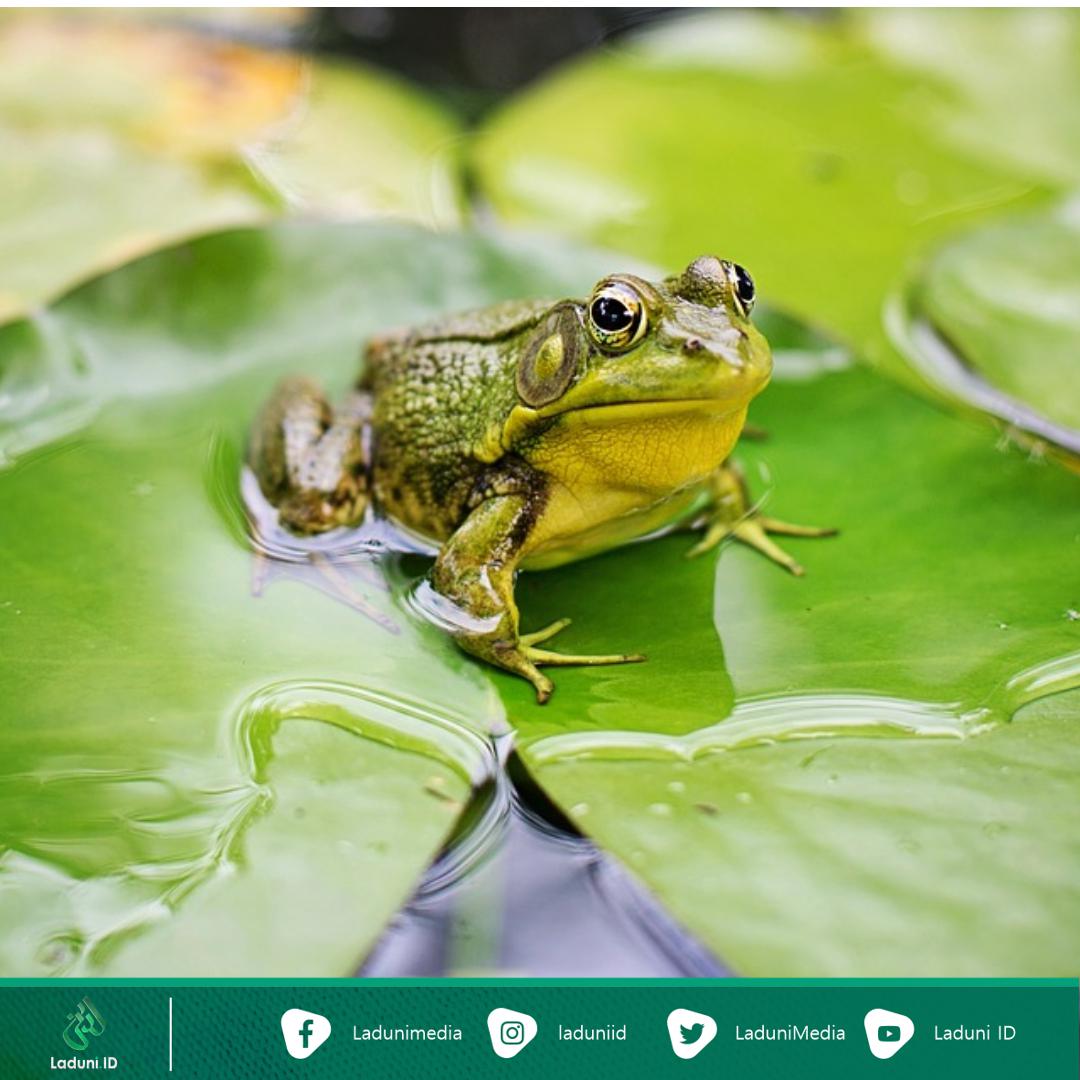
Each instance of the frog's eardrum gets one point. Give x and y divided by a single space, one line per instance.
552 358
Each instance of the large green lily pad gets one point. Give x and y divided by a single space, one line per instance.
837 774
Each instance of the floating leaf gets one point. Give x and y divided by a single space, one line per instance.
996 70
814 775
993 318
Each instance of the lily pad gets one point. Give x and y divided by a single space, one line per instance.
165 134
217 763
993 318
805 149
359 144
837 774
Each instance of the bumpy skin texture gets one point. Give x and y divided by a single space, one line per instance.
437 393
531 434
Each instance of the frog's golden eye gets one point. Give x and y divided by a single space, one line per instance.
742 287
617 316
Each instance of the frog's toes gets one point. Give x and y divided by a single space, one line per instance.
715 533
543 686
555 659
754 531
522 657
786 528
513 657
527 644
537 636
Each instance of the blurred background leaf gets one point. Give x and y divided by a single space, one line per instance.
117 137
993 318
992 77
823 153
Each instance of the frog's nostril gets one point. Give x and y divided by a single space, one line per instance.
693 345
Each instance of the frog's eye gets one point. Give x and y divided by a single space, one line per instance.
616 316
742 287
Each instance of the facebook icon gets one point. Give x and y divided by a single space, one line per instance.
304 1032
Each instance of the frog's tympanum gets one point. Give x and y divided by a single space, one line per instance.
530 434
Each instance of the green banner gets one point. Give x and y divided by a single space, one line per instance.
541 1028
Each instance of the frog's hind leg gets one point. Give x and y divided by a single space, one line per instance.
733 514
310 458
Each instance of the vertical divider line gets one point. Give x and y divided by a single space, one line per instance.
170 1034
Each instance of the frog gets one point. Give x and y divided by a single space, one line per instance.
533 433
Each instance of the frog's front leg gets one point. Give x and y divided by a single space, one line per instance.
476 569
732 513
309 457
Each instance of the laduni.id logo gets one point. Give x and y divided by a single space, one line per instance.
84 1025
304 1032
83 1022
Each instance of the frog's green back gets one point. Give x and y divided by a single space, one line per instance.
498 322
438 392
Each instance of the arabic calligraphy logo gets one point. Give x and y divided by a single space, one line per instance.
83 1022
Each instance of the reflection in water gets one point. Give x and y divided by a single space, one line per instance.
422 600
344 563
544 903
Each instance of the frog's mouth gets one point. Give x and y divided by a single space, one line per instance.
613 393
618 411
524 420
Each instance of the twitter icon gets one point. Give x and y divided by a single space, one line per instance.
690 1032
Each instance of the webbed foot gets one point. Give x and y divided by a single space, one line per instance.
733 514
475 572
523 658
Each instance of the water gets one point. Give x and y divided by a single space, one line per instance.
778 718
544 902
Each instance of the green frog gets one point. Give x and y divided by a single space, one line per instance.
533 433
